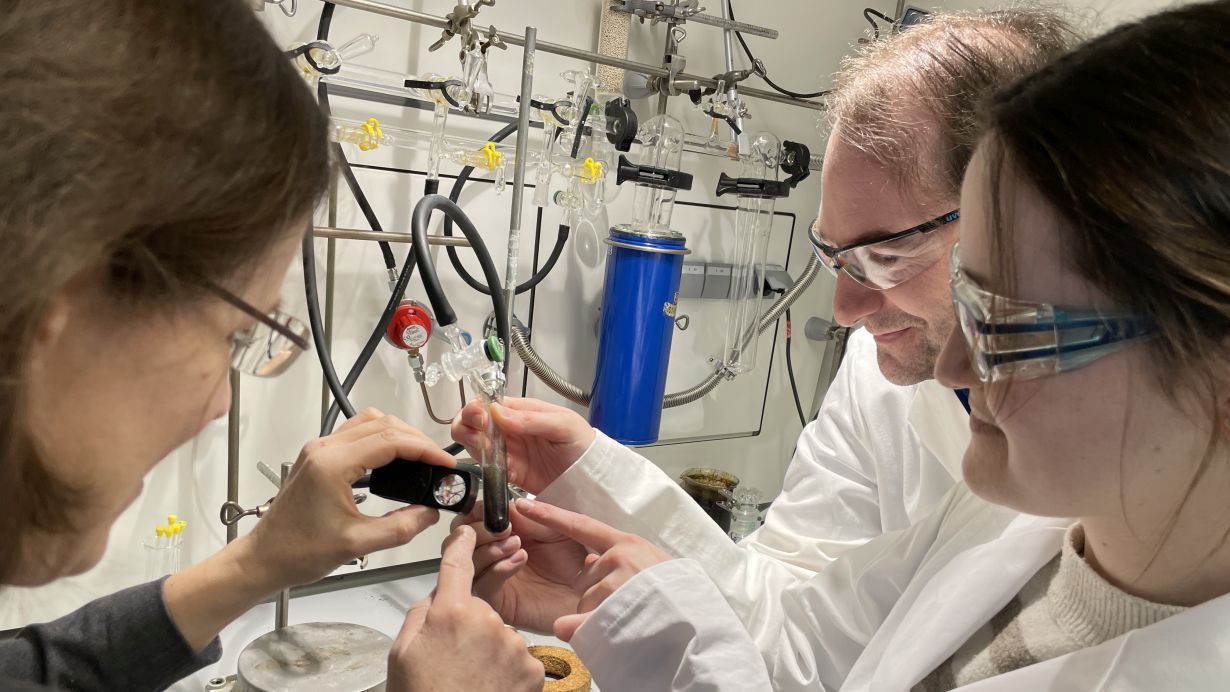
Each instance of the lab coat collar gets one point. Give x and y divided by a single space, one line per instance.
962 596
1188 651
941 423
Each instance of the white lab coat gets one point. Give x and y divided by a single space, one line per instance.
885 615
878 458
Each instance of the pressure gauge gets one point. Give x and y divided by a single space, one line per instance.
450 490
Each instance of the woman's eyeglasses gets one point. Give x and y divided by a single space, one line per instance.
1015 339
269 346
882 263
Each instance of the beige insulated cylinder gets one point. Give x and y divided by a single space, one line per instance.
613 30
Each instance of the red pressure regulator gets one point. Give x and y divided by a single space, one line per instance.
410 328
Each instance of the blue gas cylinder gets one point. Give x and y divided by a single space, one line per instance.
638 319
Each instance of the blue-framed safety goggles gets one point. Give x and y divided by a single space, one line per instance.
1015 339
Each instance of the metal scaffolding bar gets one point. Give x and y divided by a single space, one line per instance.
417 17
387 236
523 130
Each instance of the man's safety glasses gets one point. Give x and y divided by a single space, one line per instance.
271 344
882 263
1009 338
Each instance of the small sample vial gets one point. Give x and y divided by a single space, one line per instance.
744 513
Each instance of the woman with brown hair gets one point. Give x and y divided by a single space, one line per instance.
160 164
1088 547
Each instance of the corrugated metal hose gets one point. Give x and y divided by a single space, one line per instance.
575 394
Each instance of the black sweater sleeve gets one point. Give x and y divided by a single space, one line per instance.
125 641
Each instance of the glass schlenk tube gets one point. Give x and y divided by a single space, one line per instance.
479 364
753 220
662 148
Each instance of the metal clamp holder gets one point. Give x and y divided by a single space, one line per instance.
651 175
753 187
232 512
288 7
460 23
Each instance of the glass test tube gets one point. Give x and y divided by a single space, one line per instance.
753 221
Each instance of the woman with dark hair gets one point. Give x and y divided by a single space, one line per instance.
160 164
1092 292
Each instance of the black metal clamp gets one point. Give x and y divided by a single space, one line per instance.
552 108
441 87
730 120
753 187
651 175
306 51
621 123
796 162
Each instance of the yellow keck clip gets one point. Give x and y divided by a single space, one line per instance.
591 171
372 134
494 157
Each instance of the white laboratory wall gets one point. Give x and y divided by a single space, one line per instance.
747 427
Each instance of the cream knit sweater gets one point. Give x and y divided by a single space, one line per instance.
1065 607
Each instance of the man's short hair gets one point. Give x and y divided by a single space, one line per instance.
912 101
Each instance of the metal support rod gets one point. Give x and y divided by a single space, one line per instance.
232 452
326 396
900 10
402 13
387 236
518 191
732 93
671 47
282 608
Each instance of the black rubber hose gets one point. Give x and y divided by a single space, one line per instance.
322 90
774 85
420 220
453 258
340 392
369 348
794 387
326 22
352 377
576 138
318 328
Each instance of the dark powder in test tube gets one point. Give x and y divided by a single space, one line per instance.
495 477
495 498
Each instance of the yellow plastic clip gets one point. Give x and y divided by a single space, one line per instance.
494 157
591 170
372 134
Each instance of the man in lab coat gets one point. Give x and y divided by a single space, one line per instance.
887 444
